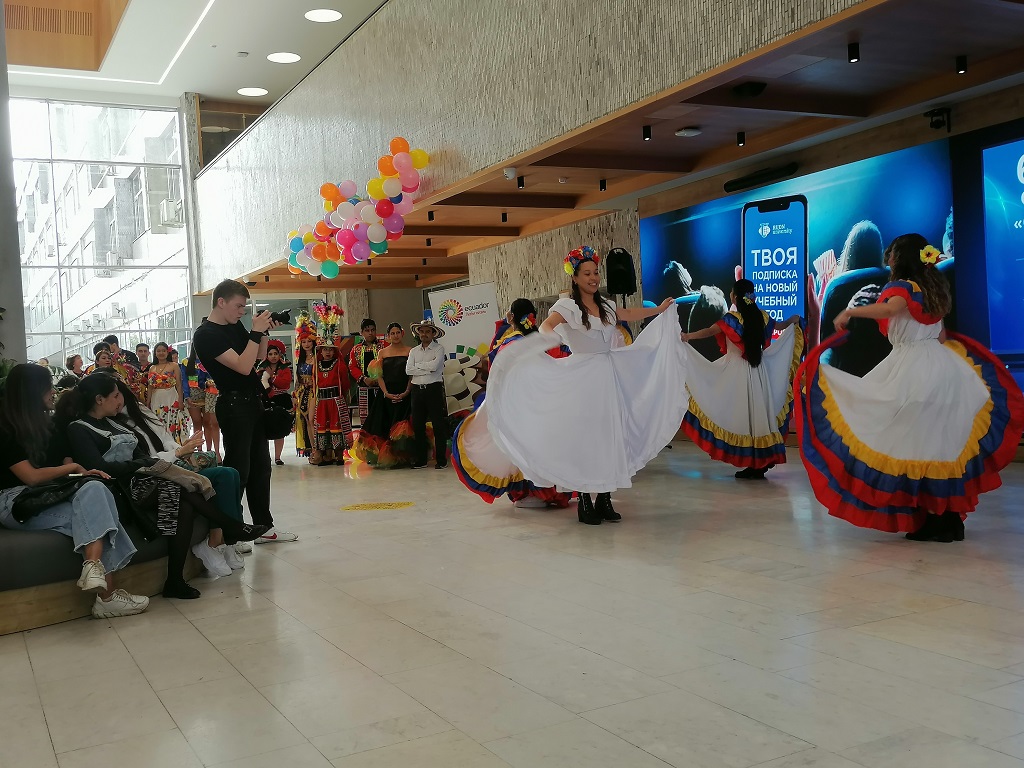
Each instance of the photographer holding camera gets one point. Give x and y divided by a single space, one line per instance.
229 353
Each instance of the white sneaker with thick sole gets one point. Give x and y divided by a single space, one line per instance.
531 502
231 557
243 547
273 536
93 576
212 560
121 603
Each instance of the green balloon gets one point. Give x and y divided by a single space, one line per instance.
379 248
330 269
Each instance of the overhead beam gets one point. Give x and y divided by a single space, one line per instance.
469 230
510 200
305 283
803 104
616 162
376 269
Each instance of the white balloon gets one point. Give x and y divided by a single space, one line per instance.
392 187
314 268
346 210
302 259
305 229
376 233
369 215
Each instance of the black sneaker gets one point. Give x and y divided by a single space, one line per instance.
419 466
440 466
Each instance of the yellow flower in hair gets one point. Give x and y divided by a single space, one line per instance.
930 255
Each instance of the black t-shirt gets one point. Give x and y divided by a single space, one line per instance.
211 340
11 453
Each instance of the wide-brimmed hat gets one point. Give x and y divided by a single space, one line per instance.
438 332
278 345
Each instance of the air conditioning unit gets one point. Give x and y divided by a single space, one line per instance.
171 214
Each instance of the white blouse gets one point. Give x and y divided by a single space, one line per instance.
601 337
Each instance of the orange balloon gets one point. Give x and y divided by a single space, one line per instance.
319 252
330 191
322 230
386 166
332 251
294 270
398 144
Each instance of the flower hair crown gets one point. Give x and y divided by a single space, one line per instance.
528 321
930 255
577 256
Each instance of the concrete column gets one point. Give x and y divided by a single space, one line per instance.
12 327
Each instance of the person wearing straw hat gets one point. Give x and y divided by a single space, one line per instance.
426 370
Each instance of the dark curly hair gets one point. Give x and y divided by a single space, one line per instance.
904 259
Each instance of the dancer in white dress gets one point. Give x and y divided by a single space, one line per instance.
740 404
590 421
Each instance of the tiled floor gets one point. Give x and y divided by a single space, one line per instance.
720 625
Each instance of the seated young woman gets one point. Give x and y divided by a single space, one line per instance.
98 441
217 556
89 517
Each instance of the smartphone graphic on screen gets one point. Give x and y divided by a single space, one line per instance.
775 254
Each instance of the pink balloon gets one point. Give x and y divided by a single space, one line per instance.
362 231
405 207
361 251
410 178
348 189
351 223
394 223
403 162
346 237
350 259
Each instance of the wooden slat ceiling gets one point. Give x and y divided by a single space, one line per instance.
908 50
62 34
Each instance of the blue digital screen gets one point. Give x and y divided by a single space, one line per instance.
1004 245
775 254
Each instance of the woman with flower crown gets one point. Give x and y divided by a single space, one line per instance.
590 421
911 445
740 404
304 394
331 418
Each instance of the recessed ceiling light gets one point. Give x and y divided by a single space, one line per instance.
689 132
215 129
284 58
253 91
323 15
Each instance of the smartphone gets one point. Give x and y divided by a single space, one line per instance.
775 254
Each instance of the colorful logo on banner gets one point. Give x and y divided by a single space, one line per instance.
450 312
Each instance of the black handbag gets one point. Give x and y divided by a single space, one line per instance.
38 498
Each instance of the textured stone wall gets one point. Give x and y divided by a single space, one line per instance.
532 267
355 303
476 83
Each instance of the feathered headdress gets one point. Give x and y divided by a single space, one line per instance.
579 255
329 322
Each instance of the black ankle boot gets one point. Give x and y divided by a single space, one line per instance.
180 590
955 524
929 530
585 510
604 508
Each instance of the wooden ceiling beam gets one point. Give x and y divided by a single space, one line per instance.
397 251
805 104
303 283
510 200
440 279
616 162
469 230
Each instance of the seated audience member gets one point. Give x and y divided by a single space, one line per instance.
88 516
74 365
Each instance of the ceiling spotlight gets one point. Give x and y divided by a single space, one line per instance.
428 242
504 218
741 139
853 52
689 132
253 92
323 15
430 215
284 58
563 179
961 65
647 133
242 54
215 129
603 186
521 182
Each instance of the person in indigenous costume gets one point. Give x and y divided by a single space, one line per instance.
304 395
604 411
911 445
740 404
362 356
386 439
118 364
330 378
276 376
164 395
478 462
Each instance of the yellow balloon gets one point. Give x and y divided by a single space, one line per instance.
420 159
293 233
308 237
375 189
328 205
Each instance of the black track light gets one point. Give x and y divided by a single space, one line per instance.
428 242
853 52
603 186
521 182
647 133
430 215
741 139
961 65
504 218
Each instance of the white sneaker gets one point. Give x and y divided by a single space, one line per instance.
531 502
273 536
231 557
212 560
120 603
243 547
93 576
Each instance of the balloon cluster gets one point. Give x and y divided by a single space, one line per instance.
356 227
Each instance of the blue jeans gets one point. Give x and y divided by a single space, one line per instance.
89 516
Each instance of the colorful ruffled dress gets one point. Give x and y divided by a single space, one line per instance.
305 405
929 428
386 438
163 401
737 413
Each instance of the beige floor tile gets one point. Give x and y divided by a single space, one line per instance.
750 616
74 649
986 647
154 750
300 756
324 606
386 589
810 714
388 646
396 730
24 738
332 703
687 731
227 720
496 639
811 758
1013 746
435 611
580 680
575 744
15 664
478 701
293 657
90 710
222 598
444 750
175 655
237 629
1007 696
924 748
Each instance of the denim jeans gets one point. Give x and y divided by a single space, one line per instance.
90 515
246 449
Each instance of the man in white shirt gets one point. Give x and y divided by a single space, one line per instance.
426 371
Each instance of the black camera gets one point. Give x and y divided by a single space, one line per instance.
284 318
